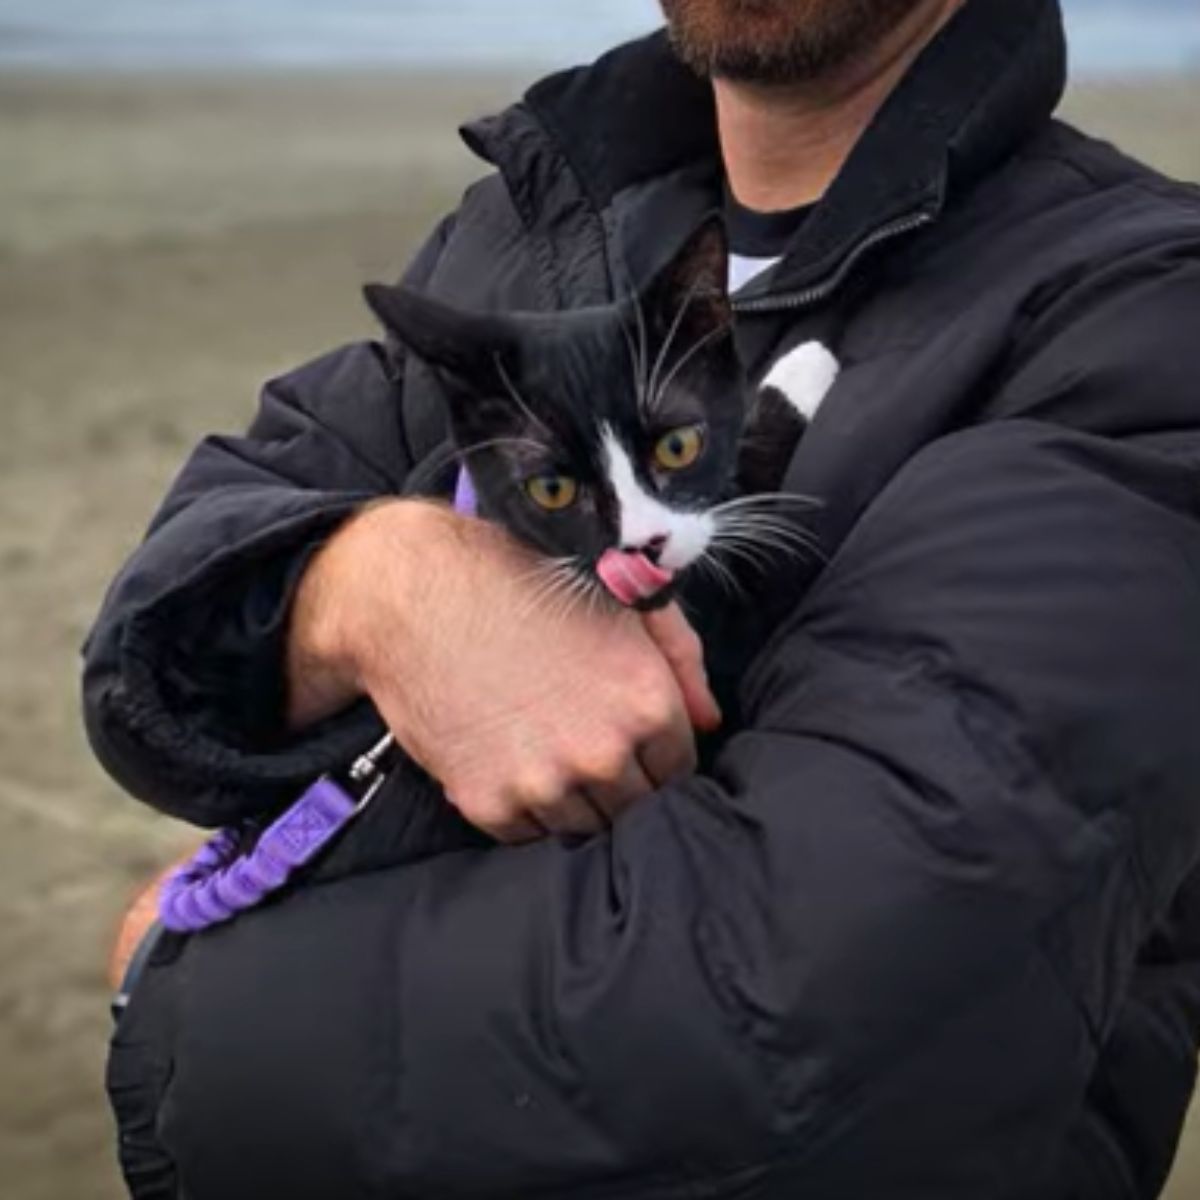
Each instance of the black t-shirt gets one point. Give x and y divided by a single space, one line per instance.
758 240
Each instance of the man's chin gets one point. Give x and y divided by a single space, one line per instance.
778 42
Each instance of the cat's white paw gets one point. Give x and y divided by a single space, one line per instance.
804 376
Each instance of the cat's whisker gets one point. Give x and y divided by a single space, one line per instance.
518 399
637 366
769 529
555 574
591 588
768 540
596 594
545 567
584 589
652 385
569 585
766 500
752 518
432 465
538 598
633 361
709 562
755 556
430 468
558 604
791 540
755 540
643 344
598 600
573 593
570 599
763 525
763 521
492 443
699 344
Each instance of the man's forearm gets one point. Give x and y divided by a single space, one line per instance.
433 616
322 665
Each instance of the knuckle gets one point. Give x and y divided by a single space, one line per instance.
654 711
605 761
539 788
503 822
483 809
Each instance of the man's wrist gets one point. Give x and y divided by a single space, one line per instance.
333 625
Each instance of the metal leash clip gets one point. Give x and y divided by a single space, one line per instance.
223 879
369 771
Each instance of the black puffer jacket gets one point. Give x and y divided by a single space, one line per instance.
923 927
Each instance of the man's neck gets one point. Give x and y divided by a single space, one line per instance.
783 145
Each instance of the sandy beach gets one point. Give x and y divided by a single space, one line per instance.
166 244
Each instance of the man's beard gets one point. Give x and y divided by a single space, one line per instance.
778 41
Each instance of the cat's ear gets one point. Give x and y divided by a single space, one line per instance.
467 349
691 293
463 343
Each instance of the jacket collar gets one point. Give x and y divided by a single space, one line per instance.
638 120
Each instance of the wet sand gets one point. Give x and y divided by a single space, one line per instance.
165 245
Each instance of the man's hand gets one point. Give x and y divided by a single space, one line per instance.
533 719
135 925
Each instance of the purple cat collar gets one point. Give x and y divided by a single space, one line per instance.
466 501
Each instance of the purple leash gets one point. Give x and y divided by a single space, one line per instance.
219 881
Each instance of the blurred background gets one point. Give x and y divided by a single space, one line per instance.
191 192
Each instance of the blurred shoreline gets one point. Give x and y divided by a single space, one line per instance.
167 242
1105 35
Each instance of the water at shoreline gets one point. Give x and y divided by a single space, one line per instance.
75 35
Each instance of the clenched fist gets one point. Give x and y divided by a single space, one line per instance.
533 722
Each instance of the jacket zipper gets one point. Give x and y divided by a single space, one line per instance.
823 290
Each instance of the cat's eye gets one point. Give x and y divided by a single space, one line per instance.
680 448
552 492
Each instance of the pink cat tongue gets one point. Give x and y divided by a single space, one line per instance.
631 576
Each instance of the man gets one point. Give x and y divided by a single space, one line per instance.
923 924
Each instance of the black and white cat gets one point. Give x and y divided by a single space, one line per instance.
624 442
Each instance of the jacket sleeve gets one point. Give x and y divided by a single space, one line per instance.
1108 353
183 676
1124 1140
883 939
